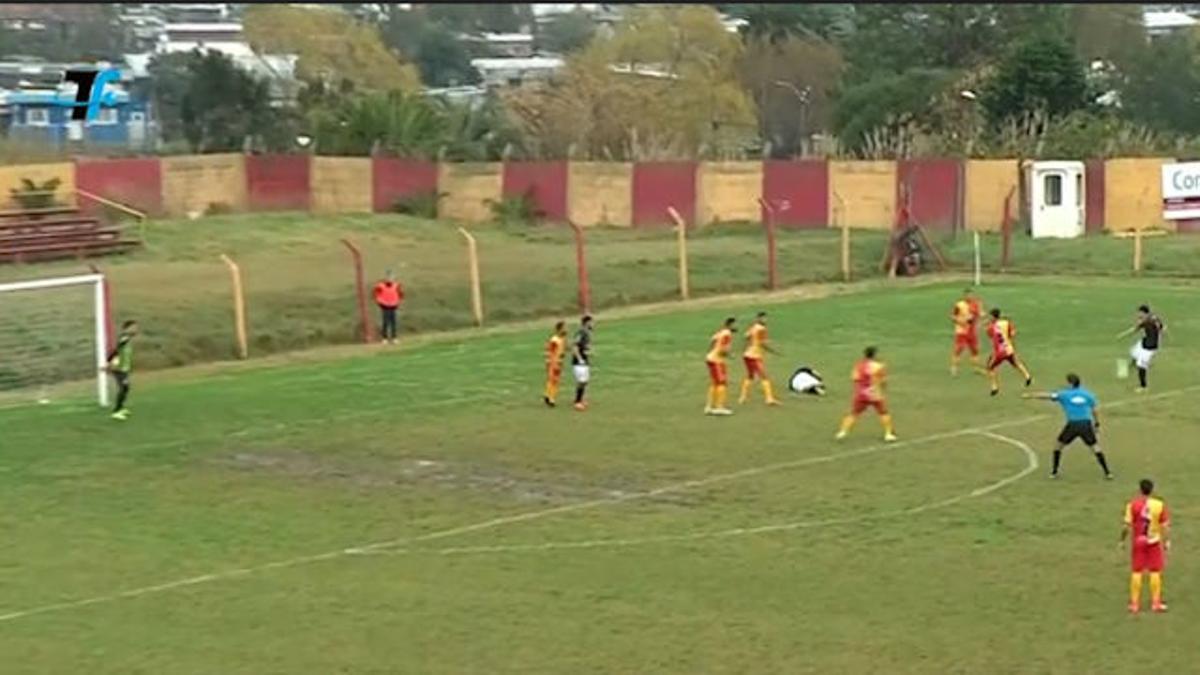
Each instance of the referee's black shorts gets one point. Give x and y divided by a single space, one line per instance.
1081 429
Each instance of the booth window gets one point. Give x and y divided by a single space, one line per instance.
1052 187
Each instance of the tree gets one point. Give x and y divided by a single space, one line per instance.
1112 33
1039 73
442 58
664 85
566 33
490 17
778 22
792 82
407 125
890 102
206 99
332 46
1162 86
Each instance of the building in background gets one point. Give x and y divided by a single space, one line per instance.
33 117
514 72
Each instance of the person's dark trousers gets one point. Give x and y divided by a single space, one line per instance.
122 390
388 329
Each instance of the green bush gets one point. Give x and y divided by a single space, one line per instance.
420 205
32 196
521 210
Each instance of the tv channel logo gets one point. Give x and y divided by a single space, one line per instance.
92 94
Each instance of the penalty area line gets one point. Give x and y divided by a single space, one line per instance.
544 513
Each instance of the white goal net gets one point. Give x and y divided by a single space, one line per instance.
52 331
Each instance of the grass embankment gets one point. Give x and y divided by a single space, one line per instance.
300 289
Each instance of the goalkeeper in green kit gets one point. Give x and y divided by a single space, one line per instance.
120 365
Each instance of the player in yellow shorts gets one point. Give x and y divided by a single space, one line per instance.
718 351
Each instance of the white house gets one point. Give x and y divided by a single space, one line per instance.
513 72
1159 22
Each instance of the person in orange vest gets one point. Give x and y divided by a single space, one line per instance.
388 295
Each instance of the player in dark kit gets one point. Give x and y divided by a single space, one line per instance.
1143 351
1079 406
120 365
581 361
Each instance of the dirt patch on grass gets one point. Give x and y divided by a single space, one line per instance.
385 474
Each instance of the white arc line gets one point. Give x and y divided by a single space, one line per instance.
1031 465
533 515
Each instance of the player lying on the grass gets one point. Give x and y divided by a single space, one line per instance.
1004 350
718 375
1146 518
556 348
120 366
870 380
754 357
965 315
1143 351
807 381
1079 406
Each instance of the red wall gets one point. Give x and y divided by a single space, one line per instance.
135 182
546 181
393 178
798 191
277 182
933 191
1093 181
658 185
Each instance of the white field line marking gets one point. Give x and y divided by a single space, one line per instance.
534 515
1031 465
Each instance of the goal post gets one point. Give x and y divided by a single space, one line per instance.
54 330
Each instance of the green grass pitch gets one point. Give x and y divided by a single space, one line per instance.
210 532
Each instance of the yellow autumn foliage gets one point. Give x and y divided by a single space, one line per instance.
332 45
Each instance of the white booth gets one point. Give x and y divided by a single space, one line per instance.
1057 198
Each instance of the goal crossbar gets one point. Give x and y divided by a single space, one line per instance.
96 281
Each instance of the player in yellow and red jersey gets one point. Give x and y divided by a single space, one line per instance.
1004 350
556 348
754 356
1147 520
965 315
718 376
870 380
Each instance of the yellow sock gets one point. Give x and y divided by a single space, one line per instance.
551 391
994 379
886 420
847 423
1135 588
1156 587
745 395
722 394
954 363
768 390
710 400
1024 371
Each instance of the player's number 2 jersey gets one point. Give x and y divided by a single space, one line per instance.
1147 517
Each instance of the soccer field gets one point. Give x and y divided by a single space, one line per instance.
420 511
